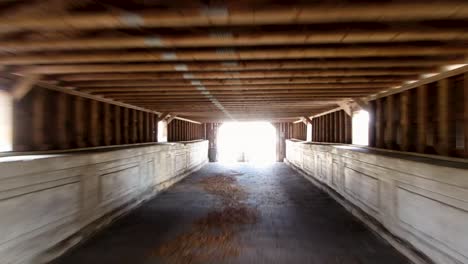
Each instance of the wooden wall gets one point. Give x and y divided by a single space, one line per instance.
179 130
431 119
50 120
299 131
335 127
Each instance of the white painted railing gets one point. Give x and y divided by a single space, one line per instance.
46 201
422 201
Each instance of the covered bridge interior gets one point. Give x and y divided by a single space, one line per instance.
106 105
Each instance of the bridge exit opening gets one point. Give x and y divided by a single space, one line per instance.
253 142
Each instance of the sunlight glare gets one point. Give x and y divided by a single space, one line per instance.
247 141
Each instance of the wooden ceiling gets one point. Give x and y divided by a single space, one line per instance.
239 59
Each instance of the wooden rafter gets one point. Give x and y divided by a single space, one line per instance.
262 60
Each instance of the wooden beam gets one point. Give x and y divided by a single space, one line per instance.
267 15
187 120
172 117
153 81
306 120
92 97
237 66
231 54
421 82
344 105
163 115
240 39
24 85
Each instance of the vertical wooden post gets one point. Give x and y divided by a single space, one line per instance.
404 120
38 120
445 129
372 112
336 126
379 135
327 128
148 127
141 127
107 129
348 130
465 112
94 127
117 126
422 102
134 127
322 129
126 125
390 126
79 121
62 120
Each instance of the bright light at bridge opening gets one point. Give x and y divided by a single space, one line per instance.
6 121
361 128
247 141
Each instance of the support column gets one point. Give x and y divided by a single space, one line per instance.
421 103
134 126
390 126
94 127
62 120
79 121
465 113
38 120
404 120
107 124
372 123
117 126
141 127
126 125
445 129
379 134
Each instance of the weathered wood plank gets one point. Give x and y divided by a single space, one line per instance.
405 120
390 128
126 125
445 143
117 125
38 120
465 112
107 124
94 134
61 120
79 121
379 124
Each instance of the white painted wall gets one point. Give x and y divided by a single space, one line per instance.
47 200
421 203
